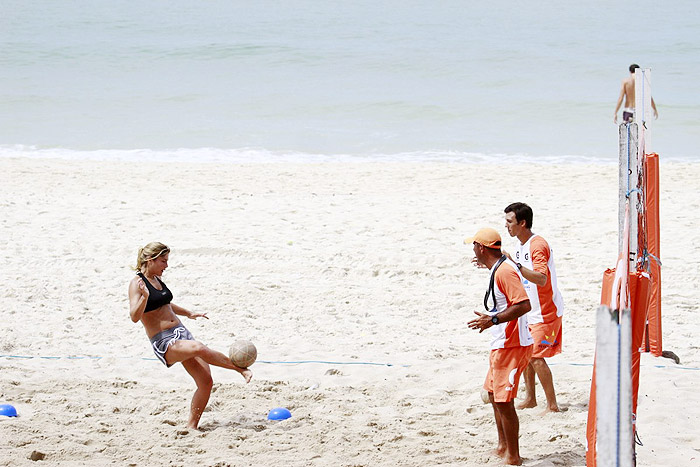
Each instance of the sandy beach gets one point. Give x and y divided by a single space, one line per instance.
355 285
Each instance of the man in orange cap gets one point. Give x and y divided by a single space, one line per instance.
506 304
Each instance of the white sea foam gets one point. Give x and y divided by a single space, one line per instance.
261 156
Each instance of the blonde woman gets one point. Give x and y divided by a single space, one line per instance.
150 301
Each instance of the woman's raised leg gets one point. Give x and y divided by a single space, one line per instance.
180 351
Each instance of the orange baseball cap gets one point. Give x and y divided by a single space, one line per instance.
487 236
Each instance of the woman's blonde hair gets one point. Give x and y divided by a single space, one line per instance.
150 252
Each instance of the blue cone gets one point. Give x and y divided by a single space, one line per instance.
280 413
7 410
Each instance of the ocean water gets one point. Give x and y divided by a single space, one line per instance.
329 80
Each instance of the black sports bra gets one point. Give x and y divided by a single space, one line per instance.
156 298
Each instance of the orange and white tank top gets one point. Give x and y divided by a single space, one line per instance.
546 301
508 290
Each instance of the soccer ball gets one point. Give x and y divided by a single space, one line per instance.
485 396
243 353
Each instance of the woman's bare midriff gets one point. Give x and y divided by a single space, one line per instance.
159 320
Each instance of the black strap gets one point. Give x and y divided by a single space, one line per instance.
491 291
148 283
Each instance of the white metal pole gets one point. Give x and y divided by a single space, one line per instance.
643 112
628 186
614 439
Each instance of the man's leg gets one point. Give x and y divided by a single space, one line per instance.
544 374
501 448
510 425
530 399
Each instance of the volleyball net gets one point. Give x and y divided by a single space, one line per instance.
628 321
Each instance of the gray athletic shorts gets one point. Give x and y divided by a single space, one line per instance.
163 339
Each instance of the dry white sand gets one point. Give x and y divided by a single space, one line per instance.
344 263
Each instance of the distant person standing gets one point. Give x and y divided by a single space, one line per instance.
535 261
627 94
506 305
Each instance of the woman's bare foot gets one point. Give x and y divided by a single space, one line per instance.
247 374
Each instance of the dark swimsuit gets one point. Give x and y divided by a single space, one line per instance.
161 341
156 298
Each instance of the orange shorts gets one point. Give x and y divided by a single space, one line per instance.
505 368
547 337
